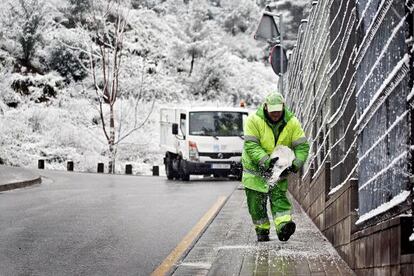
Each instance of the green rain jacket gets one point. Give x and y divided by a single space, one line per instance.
261 137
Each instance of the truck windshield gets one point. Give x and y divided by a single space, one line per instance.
213 123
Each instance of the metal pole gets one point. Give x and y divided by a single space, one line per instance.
281 53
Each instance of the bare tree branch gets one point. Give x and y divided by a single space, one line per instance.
105 66
141 125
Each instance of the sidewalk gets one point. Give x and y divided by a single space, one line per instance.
13 178
229 247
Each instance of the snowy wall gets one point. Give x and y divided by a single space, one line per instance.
382 77
349 82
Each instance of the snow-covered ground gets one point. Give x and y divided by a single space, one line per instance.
198 53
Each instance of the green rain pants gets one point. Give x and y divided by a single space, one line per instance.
279 205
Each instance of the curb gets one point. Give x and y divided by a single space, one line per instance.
194 242
20 184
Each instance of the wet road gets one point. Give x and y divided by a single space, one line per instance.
90 224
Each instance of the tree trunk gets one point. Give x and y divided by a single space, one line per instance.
111 165
192 63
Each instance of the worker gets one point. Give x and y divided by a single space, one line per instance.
272 124
242 103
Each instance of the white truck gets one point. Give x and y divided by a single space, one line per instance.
202 141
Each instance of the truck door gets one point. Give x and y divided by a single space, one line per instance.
182 142
183 124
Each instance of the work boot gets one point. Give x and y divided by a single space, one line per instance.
263 237
286 230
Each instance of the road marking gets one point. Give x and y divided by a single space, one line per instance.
189 239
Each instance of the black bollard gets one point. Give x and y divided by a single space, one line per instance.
128 169
155 171
41 164
70 166
100 167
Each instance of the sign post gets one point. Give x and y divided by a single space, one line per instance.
268 31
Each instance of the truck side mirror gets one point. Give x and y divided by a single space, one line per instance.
174 129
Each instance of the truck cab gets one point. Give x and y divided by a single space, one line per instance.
202 141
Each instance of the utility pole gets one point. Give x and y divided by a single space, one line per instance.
281 54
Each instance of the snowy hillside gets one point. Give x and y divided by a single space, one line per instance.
181 52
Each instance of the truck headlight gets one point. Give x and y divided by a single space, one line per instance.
193 151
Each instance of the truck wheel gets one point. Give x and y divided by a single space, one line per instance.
185 176
239 176
169 170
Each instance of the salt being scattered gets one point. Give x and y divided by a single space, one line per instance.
285 158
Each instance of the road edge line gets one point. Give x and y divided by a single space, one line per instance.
181 250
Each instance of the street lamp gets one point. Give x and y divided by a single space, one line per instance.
268 31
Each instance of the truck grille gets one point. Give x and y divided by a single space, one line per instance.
220 155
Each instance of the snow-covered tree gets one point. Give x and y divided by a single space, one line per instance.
106 63
197 45
240 16
23 25
77 12
70 62
109 25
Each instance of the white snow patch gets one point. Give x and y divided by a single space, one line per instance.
409 5
392 164
398 199
364 12
410 96
404 60
231 247
198 265
382 54
397 121
334 190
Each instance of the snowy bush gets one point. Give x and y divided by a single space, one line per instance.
17 143
7 95
67 63
145 4
76 12
38 88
